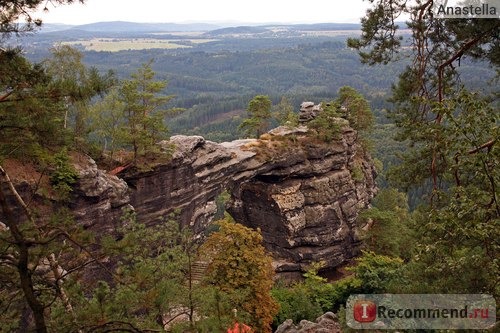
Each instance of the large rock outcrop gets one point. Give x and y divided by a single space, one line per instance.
303 194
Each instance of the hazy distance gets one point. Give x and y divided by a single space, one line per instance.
212 11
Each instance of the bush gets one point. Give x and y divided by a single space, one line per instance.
64 175
295 303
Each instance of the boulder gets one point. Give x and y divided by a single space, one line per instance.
327 323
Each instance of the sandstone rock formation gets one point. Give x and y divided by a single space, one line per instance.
99 198
302 193
309 111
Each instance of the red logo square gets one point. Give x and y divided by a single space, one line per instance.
365 311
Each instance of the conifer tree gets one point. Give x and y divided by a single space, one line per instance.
284 113
17 15
259 114
144 109
77 85
355 108
453 136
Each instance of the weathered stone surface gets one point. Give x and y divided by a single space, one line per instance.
309 111
99 198
327 323
286 130
300 192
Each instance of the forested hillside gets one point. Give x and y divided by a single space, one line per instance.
215 80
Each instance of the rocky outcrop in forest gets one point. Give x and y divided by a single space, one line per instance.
302 193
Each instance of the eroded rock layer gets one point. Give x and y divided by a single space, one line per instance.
303 194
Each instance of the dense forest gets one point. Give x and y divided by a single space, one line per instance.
428 112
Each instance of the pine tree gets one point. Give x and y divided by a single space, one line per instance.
36 253
355 108
144 110
107 122
32 110
259 114
77 85
16 15
453 136
284 113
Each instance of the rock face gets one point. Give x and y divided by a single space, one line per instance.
327 323
99 198
300 192
309 111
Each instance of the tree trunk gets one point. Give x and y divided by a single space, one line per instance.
22 266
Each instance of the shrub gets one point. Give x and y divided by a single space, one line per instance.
64 175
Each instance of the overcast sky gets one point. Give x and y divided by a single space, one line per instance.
163 11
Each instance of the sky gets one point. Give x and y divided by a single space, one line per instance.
209 11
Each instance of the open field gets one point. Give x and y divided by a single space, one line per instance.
121 44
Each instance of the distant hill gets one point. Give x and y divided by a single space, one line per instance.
238 30
326 26
211 29
51 27
270 29
120 26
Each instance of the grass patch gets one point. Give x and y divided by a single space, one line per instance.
121 44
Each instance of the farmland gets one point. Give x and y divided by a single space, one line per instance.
124 44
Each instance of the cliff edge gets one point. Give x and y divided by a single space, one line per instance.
304 194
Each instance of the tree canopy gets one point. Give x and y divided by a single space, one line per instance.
453 141
240 267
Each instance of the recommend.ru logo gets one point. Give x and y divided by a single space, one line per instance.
421 311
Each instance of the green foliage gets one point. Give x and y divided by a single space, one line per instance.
389 223
378 273
33 276
349 108
284 114
380 41
456 251
452 137
355 109
148 279
107 122
371 273
78 84
327 124
17 15
221 201
295 303
259 114
30 120
357 173
240 267
386 149
144 110
64 175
